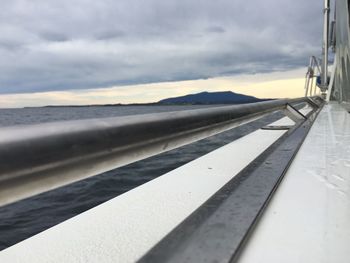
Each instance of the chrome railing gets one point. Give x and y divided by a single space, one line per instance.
313 70
325 45
41 157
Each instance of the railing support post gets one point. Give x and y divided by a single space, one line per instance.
325 45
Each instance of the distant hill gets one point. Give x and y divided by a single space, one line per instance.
223 97
203 98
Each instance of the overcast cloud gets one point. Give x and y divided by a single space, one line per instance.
63 44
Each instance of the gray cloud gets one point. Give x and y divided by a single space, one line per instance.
58 45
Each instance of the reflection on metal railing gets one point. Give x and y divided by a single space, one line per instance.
38 158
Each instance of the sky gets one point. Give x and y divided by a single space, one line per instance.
107 51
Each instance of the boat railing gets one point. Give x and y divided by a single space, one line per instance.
41 157
313 71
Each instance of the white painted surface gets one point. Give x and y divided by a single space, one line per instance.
308 219
126 227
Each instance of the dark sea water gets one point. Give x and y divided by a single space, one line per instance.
28 217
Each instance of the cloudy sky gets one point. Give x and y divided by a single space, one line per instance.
66 46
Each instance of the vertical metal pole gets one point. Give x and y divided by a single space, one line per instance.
325 45
312 83
312 73
315 89
307 85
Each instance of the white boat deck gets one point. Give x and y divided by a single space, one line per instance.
308 219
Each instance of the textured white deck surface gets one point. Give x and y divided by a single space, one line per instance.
308 219
124 228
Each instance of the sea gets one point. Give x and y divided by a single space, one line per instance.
28 217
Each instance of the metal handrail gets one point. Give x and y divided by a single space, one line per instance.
325 45
42 157
310 86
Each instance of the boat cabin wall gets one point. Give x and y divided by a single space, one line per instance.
341 91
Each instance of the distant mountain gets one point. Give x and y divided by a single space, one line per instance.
223 97
203 98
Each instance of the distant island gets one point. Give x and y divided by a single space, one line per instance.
202 98
222 97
